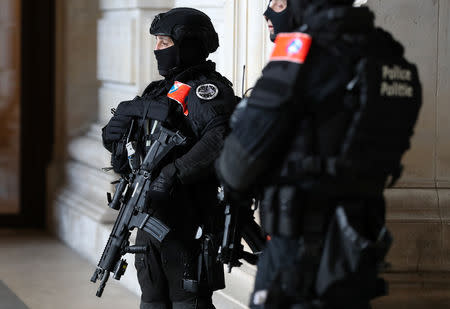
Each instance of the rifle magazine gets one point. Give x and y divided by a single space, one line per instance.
156 228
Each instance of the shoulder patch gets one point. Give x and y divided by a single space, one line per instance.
207 91
292 47
179 92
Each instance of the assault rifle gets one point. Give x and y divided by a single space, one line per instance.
130 199
240 224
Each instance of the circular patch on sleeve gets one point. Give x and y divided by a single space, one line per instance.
207 91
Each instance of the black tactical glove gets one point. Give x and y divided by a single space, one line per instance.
133 108
162 186
116 128
154 108
229 194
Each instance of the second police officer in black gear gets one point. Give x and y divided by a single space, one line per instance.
322 133
277 17
196 100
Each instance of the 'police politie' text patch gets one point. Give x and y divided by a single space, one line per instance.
293 47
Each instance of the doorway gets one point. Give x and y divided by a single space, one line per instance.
26 109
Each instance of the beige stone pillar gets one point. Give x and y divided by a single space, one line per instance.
105 56
10 106
243 41
419 207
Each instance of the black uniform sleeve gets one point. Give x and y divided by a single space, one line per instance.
198 162
282 99
261 128
210 123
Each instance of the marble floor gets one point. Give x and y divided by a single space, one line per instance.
39 272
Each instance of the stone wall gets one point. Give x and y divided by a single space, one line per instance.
104 56
418 208
10 111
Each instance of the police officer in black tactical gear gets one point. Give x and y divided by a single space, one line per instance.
197 101
321 135
277 17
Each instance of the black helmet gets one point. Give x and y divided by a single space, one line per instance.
187 27
298 7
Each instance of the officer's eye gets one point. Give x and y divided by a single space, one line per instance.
163 43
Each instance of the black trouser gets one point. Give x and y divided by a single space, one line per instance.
161 271
281 256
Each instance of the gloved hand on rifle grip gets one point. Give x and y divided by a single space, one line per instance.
116 128
236 197
231 195
161 187
133 108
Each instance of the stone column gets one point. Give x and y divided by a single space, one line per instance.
108 57
10 106
419 206
244 40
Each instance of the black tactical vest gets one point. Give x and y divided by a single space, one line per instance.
346 143
355 149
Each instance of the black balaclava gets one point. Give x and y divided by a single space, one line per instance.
194 37
167 59
281 21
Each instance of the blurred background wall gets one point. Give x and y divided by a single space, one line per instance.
26 109
104 55
9 107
